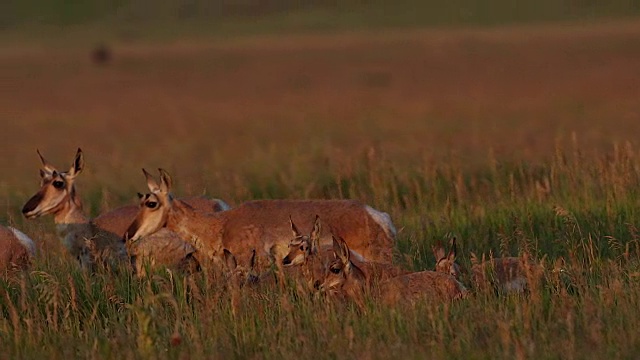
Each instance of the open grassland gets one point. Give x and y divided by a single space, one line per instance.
519 139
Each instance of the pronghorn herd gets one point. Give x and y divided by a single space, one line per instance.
347 252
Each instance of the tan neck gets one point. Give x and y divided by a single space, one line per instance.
202 231
71 213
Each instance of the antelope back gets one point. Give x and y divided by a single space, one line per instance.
378 272
163 248
16 249
56 188
421 286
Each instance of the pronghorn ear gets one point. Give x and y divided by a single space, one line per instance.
337 248
78 164
315 235
438 251
474 259
294 228
47 169
453 250
252 262
165 181
344 254
230 260
152 184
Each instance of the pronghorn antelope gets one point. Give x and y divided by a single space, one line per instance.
346 279
505 274
304 253
86 240
117 221
305 250
261 224
57 196
16 249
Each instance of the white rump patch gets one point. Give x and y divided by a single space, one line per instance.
357 256
223 205
517 285
24 240
383 219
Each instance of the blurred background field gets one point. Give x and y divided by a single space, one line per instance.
512 125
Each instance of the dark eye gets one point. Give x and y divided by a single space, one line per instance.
301 247
152 204
335 270
58 184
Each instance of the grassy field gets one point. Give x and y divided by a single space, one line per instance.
514 139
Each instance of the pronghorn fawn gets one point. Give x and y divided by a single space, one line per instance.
304 253
344 278
16 249
504 274
305 250
261 224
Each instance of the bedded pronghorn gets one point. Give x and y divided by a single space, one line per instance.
262 224
305 251
87 240
16 249
118 220
505 274
304 257
346 279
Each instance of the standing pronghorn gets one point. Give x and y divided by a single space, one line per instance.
86 240
346 279
505 274
262 224
16 249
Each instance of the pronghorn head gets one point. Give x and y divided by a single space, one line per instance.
237 274
342 273
446 262
302 246
57 188
153 208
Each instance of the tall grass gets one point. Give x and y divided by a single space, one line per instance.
467 137
577 209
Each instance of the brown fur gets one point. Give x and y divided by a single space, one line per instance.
163 248
13 254
507 274
118 220
315 262
261 224
421 286
347 280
